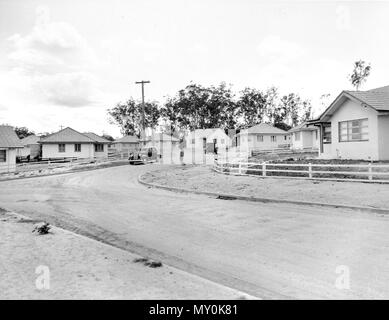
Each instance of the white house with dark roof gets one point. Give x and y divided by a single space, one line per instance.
9 143
262 136
69 143
356 126
304 137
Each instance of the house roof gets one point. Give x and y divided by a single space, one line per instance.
127 139
8 138
161 137
32 139
67 135
377 99
302 127
95 137
263 128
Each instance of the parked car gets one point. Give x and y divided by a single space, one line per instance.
145 155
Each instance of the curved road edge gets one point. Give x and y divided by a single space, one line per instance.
257 199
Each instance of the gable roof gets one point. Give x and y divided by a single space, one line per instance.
302 127
377 99
8 138
263 128
67 135
32 139
96 138
127 139
161 137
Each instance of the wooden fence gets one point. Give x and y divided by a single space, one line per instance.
317 171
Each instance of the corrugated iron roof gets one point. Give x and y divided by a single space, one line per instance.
67 135
127 139
95 137
263 128
32 139
8 138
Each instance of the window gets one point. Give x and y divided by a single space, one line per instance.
99 147
285 138
3 155
61 147
354 130
297 136
273 138
260 138
316 134
77 147
327 134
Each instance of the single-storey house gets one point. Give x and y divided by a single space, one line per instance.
356 126
304 137
165 144
126 143
31 147
69 143
209 140
9 143
262 136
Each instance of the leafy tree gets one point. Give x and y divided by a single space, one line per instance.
360 72
306 111
251 107
272 100
108 137
128 116
23 132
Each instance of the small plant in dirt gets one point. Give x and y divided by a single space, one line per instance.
42 228
148 263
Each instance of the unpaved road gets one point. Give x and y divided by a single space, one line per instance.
267 250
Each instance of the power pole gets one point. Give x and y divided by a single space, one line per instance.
143 105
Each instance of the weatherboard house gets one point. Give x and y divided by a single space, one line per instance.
9 144
69 143
356 126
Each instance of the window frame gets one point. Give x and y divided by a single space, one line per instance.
348 127
324 134
5 156
273 138
76 149
260 138
60 150
98 145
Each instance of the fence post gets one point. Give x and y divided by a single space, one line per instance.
370 172
240 168
264 169
310 170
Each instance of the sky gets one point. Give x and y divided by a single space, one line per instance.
63 63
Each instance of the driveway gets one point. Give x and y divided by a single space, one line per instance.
267 250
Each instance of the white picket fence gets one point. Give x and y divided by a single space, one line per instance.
338 172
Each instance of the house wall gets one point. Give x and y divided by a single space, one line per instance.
10 164
307 140
31 149
359 150
198 136
102 154
383 137
50 150
250 141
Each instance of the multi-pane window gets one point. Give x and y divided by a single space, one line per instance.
327 134
3 155
99 147
297 136
354 130
77 147
273 138
61 147
260 138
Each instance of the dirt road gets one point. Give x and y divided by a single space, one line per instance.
267 250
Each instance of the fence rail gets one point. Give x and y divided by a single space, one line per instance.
339 172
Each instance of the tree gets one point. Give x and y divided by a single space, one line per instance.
108 137
272 100
128 116
251 107
360 72
23 132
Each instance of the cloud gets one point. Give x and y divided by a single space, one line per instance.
275 48
57 61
